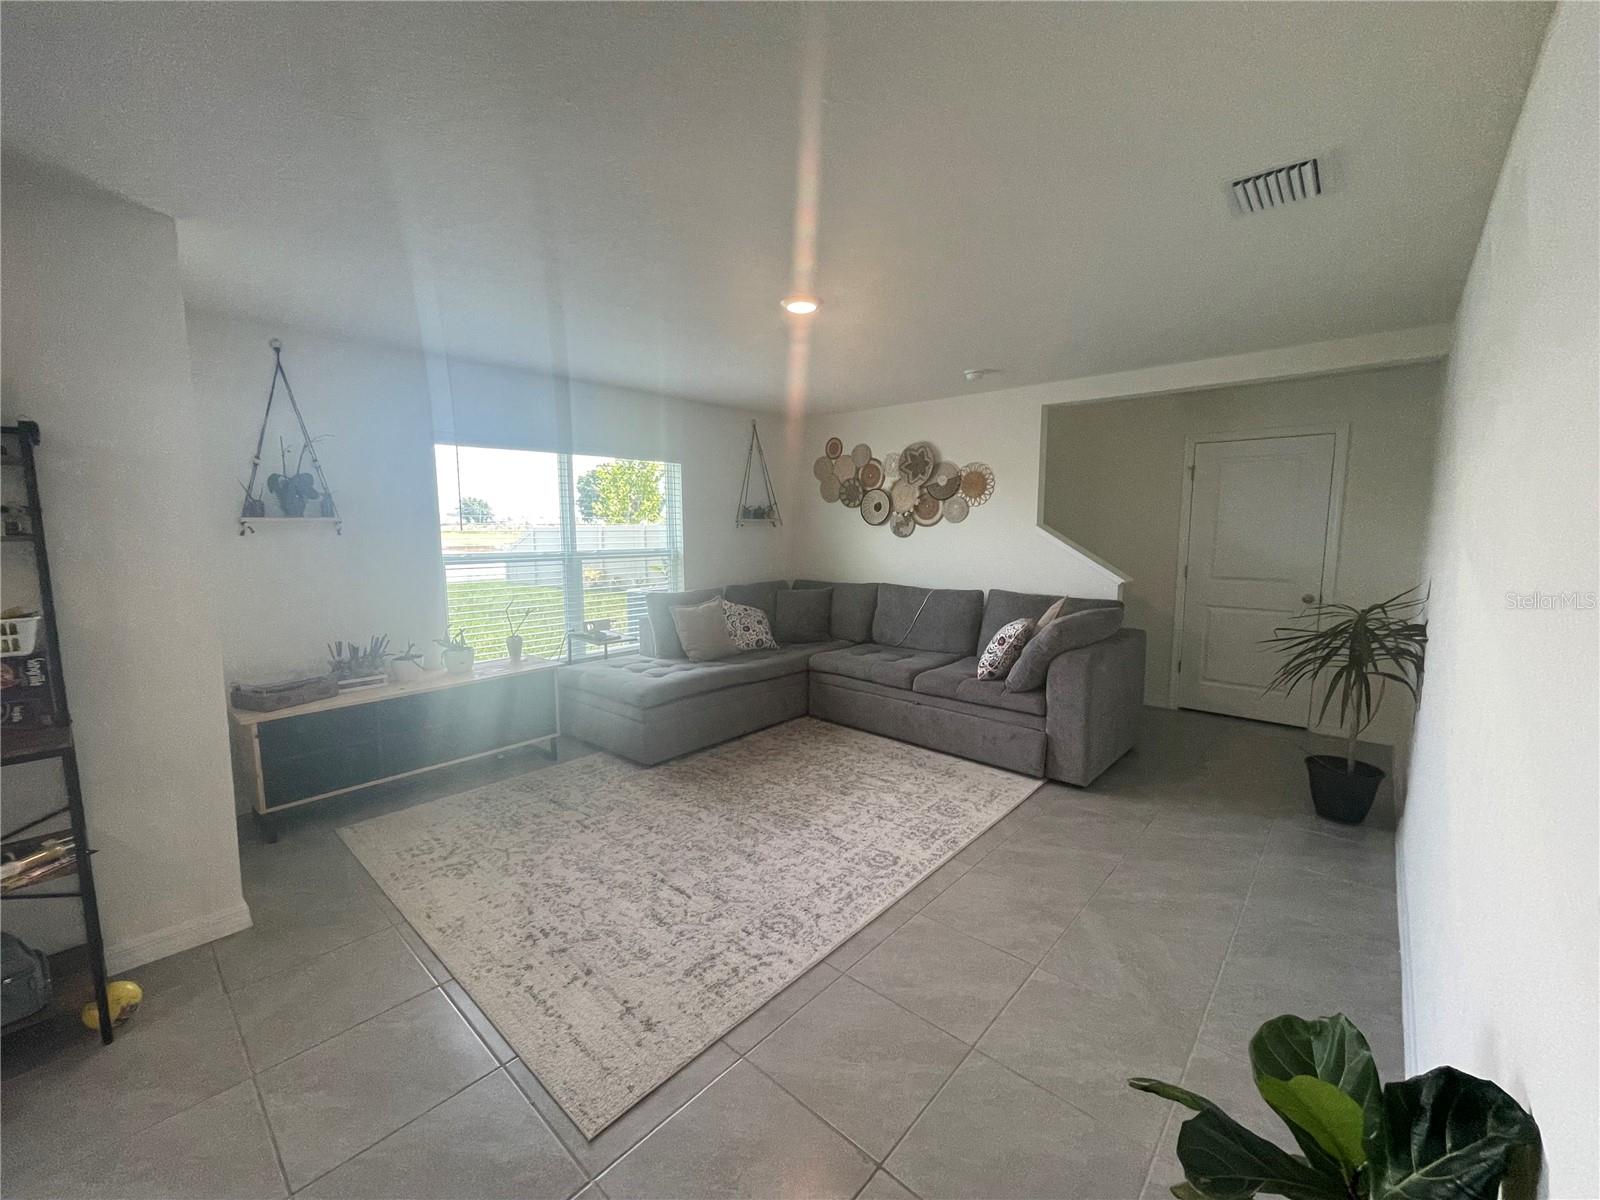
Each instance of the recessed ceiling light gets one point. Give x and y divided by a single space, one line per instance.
800 306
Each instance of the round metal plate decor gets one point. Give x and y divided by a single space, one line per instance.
875 506
844 469
945 481
834 448
927 510
955 510
891 464
870 474
850 493
861 455
917 462
903 495
830 488
977 483
822 468
903 524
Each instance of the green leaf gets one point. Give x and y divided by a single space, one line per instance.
1323 1111
1330 1049
1446 1135
1223 1160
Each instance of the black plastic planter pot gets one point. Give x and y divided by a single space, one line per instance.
1340 795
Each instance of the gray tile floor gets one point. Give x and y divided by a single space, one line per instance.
973 1041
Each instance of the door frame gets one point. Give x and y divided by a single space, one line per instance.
1330 546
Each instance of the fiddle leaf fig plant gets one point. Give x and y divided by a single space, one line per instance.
1445 1135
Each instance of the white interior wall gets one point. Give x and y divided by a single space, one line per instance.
1114 483
1498 842
1007 543
285 592
95 351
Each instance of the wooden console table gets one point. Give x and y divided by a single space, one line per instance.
299 755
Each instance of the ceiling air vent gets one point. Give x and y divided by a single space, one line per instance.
1280 186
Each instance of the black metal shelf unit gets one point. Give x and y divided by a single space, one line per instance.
17 445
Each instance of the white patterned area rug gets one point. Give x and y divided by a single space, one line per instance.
615 920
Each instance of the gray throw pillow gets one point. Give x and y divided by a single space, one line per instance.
803 615
1063 634
703 630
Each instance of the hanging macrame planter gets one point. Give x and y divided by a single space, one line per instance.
294 493
762 507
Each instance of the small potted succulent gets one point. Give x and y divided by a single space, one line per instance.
407 667
514 636
1362 651
354 665
455 652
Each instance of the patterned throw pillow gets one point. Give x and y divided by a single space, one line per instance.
748 627
1003 650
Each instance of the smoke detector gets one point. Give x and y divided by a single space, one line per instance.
974 374
1278 186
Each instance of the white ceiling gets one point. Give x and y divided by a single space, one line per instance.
1039 188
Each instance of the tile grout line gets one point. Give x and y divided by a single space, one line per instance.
433 986
1212 998
656 1128
501 1066
379 1141
84 1151
973 1047
255 1084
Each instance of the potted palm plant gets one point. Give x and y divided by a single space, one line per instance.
1361 651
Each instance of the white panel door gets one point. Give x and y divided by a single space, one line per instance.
1258 526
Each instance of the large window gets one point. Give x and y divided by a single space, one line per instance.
539 542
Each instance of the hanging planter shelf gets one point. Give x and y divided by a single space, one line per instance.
290 491
760 508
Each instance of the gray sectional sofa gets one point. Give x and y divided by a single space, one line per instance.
901 661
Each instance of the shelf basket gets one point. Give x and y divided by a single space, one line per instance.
18 635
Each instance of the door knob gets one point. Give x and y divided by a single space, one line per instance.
1308 598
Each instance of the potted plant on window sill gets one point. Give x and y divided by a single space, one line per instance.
356 666
1362 650
455 653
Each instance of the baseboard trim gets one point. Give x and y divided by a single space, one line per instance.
136 952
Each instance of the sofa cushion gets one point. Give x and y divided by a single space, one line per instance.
750 628
1004 648
649 682
942 620
959 681
853 607
893 666
703 630
658 607
1003 607
1065 633
805 615
759 595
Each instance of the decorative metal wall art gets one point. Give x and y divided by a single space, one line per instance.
903 489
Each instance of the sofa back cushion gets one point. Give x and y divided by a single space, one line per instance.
758 595
804 615
1003 607
944 620
853 607
658 608
1081 628
702 630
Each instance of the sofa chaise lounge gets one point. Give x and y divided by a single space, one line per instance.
899 661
